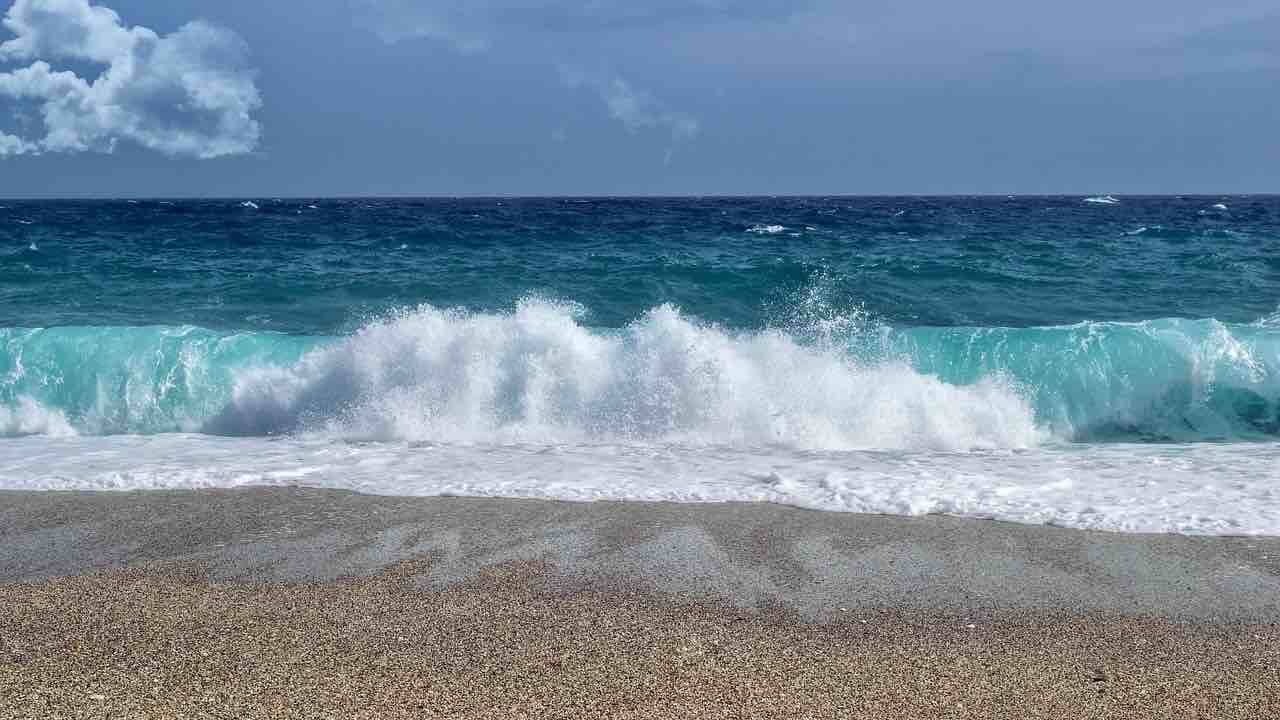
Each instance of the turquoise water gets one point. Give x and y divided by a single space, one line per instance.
1151 319
1164 380
1112 363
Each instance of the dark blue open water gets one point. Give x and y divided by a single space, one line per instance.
325 266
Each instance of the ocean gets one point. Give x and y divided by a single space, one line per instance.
1104 363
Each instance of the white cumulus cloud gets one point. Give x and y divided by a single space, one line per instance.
189 93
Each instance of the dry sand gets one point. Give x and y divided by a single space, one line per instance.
188 623
152 645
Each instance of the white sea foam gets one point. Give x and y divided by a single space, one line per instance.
1208 489
767 229
538 375
1102 200
29 417
249 204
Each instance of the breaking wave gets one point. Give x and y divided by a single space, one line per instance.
539 374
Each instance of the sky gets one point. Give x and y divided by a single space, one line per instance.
241 98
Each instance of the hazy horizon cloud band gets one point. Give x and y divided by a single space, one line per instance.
1095 362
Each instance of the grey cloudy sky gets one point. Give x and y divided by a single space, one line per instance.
425 97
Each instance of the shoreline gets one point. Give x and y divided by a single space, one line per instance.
746 555
304 603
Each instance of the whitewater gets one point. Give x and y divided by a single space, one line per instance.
843 415
1111 366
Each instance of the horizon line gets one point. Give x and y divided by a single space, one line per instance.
624 196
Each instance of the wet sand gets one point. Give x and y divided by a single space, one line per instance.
307 603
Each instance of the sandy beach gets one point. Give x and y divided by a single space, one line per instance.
308 603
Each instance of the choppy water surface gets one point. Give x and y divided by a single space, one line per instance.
1111 364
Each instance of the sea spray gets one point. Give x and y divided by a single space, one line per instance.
537 375
540 373
26 416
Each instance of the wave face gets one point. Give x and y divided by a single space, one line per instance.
539 374
136 380
1160 380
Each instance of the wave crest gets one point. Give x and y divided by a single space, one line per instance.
822 380
537 375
